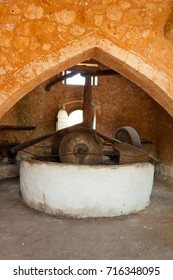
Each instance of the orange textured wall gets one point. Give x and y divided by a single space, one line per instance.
40 37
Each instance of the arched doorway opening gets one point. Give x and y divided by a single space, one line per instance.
75 117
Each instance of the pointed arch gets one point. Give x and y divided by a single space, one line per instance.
157 84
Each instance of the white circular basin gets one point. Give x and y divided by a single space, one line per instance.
86 190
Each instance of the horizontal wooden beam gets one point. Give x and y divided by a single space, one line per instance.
84 71
100 73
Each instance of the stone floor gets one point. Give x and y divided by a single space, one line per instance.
28 234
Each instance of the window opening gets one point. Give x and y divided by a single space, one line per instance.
78 79
64 120
75 117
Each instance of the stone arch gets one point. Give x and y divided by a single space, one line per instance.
73 105
132 66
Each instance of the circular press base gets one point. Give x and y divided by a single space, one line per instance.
86 190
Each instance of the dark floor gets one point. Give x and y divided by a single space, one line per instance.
28 234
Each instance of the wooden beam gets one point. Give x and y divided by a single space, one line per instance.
31 142
101 73
84 71
59 79
87 103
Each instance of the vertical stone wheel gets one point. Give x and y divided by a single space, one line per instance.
80 147
55 147
128 135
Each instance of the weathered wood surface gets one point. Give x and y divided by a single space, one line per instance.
127 153
87 103
100 73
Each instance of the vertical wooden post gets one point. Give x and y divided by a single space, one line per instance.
87 103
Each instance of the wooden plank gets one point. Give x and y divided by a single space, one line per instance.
123 148
130 154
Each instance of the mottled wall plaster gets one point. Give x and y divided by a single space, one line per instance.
39 38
